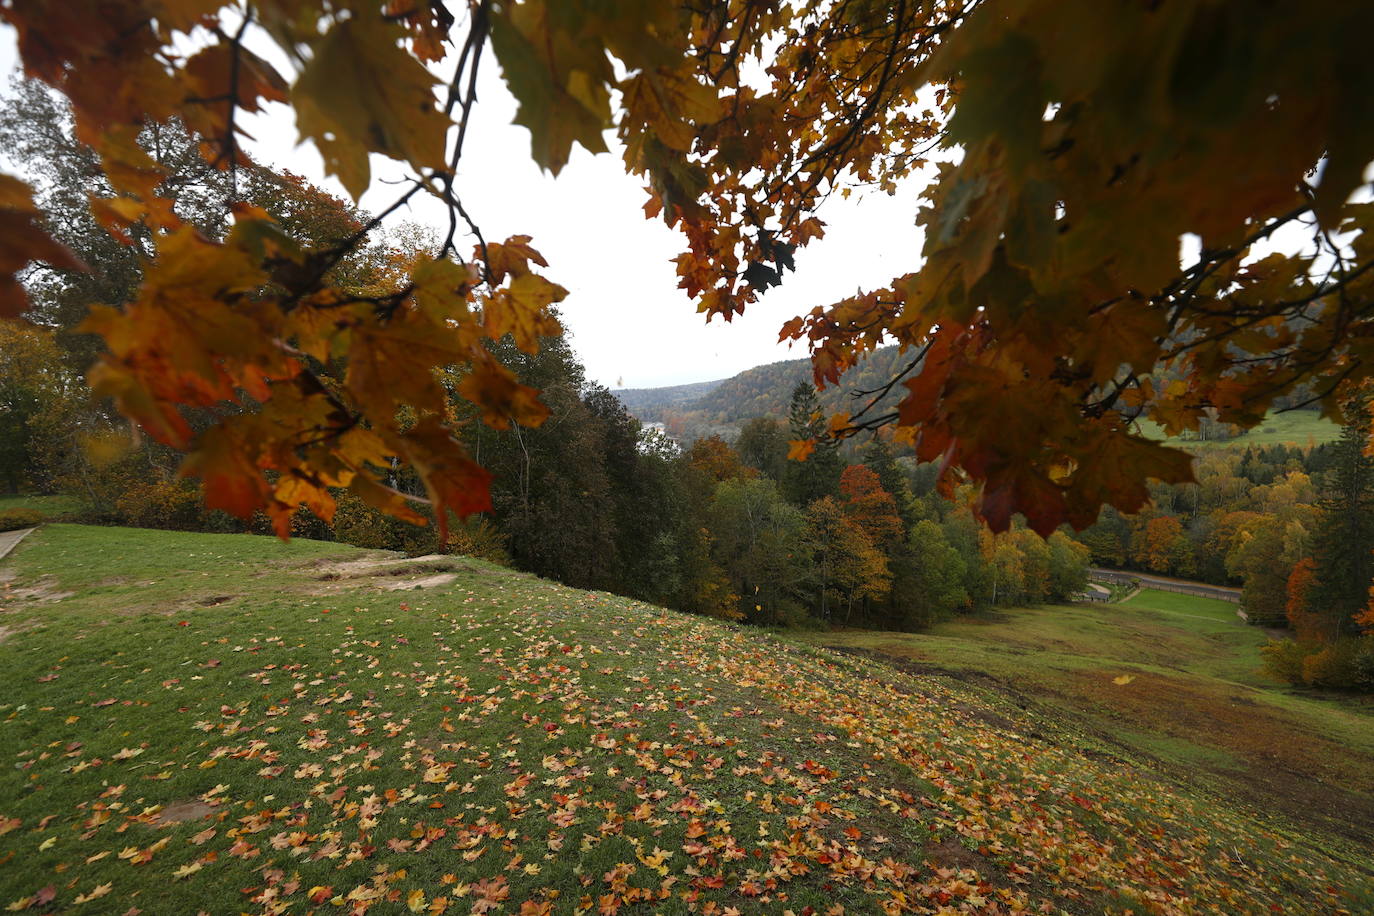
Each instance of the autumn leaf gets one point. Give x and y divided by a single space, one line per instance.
95 893
362 93
560 80
23 241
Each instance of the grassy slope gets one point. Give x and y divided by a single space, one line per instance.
1296 427
1196 702
50 506
500 743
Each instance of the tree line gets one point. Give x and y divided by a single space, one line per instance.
1292 526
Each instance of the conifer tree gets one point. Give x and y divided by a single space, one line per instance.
818 476
1344 536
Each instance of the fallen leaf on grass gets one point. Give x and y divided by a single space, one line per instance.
100 890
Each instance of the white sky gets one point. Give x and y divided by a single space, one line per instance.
627 319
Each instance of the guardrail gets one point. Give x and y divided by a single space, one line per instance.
1198 590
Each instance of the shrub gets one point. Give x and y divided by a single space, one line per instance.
1333 667
1282 660
1362 667
1347 664
357 523
478 538
169 504
15 519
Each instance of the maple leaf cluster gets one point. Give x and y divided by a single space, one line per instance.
1042 316
313 384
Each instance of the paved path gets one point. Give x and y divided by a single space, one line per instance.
9 539
1200 589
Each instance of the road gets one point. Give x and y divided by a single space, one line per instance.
10 539
1149 580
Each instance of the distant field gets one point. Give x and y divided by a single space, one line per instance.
50 506
1194 697
1296 427
225 723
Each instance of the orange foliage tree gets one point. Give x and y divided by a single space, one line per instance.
1308 627
870 506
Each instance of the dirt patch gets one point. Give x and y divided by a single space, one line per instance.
13 629
372 567
392 573
181 812
215 600
1286 767
427 582
950 853
44 591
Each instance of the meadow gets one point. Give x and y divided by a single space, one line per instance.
1303 428
226 724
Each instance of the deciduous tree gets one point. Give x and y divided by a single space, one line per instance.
1083 141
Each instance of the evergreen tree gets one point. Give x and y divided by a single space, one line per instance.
818 476
762 444
1344 536
878 456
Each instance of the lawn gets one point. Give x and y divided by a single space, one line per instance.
53 507
1296 427
229 724
1168 677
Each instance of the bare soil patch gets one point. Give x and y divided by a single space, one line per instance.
1287 767
391 573
1283 766
179 813
426 582
43 591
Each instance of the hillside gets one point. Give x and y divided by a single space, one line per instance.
643 401
251 726
723 406
764 391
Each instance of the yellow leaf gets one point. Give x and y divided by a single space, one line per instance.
1123 680
362 93
99 890
561 82
665 101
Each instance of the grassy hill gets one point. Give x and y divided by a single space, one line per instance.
231 724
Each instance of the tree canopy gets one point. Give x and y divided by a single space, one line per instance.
1074 144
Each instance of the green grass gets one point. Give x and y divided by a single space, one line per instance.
1192 696
496 742
1164 602
1296 427
53 507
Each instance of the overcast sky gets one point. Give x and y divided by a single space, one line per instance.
628 321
